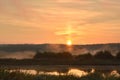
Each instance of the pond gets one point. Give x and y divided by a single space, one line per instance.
63 70
75 72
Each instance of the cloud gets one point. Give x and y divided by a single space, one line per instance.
48 15
68 31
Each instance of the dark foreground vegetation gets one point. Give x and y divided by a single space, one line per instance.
66 58
6 75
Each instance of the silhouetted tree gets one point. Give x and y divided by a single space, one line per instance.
103 55
84 56
64 55
38 55
52 55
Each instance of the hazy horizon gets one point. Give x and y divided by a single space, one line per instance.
59 21
54 43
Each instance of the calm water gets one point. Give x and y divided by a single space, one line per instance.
64 70
75 72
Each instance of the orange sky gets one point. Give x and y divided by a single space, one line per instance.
58 21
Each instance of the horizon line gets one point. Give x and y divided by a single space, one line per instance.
56 43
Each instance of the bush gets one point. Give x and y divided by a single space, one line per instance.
103 55
84 56
52 55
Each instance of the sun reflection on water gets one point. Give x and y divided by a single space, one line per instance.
75 72
115 73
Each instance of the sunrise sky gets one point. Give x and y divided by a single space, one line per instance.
59 21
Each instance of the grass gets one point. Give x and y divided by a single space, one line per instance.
6 75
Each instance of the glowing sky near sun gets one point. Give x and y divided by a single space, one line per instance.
57 21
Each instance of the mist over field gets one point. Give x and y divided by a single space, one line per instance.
17 55
25 51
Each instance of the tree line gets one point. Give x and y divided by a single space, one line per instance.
68 55
66 58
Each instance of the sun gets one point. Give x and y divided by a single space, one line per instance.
69 42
